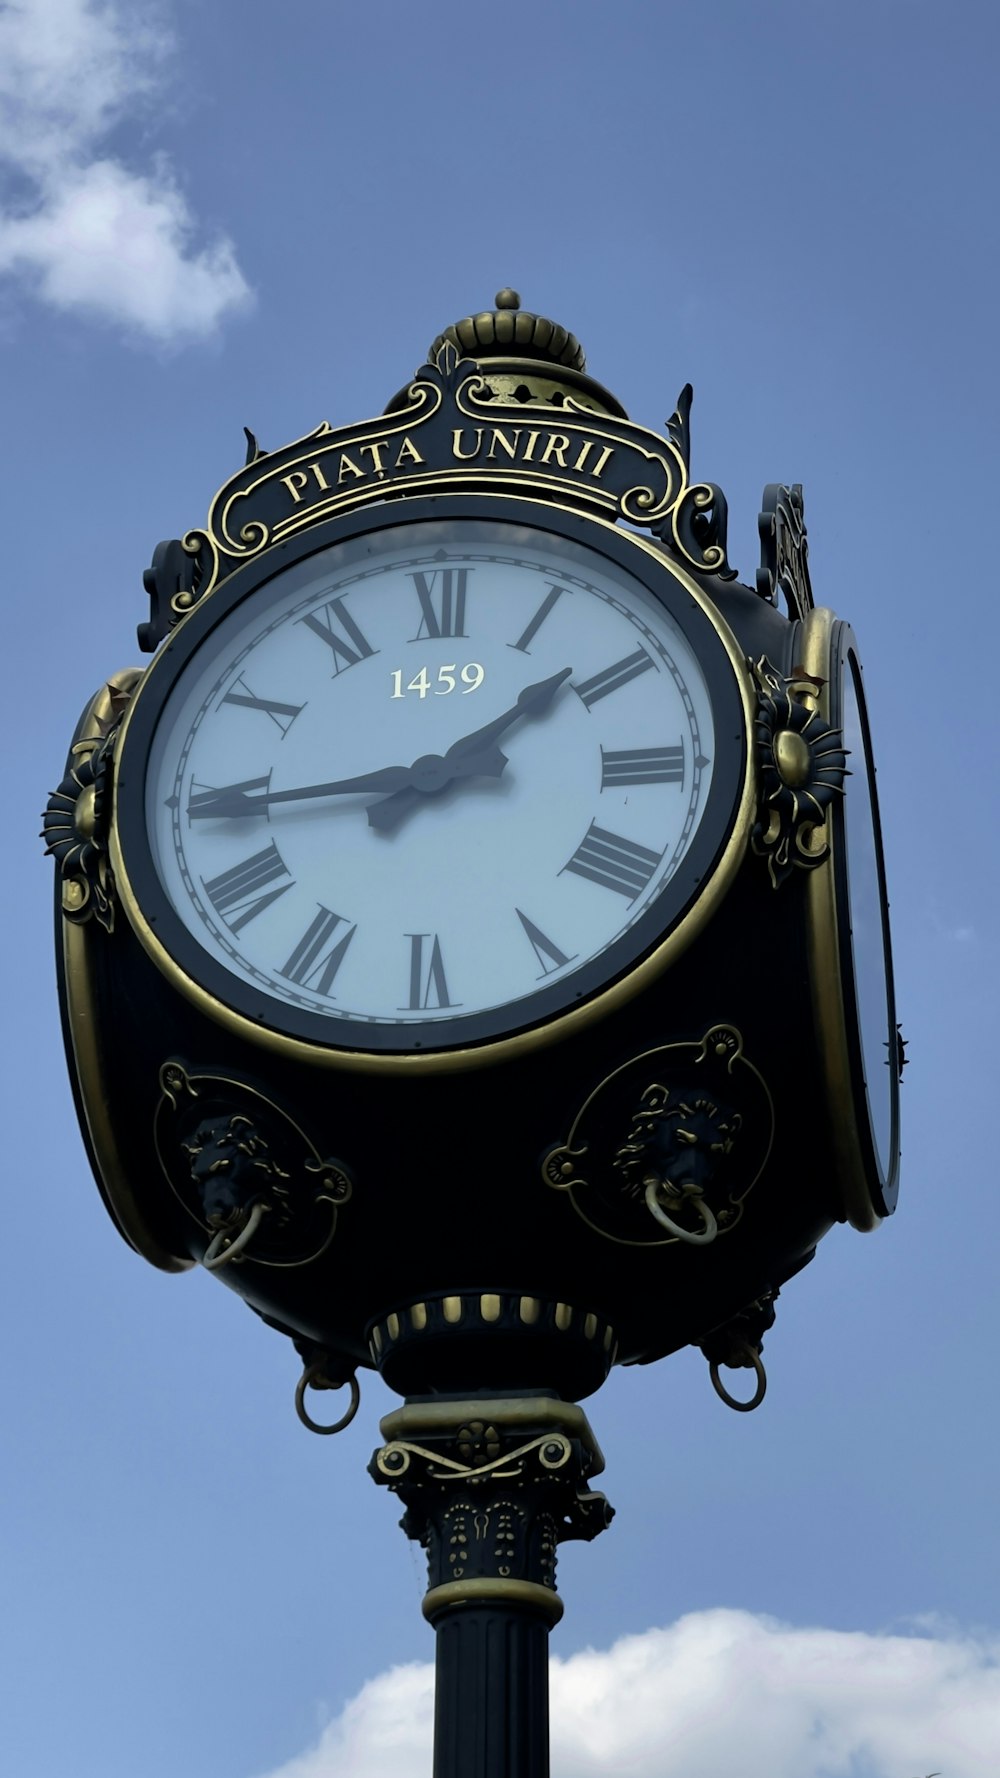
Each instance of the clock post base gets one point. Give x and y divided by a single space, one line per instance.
491 1486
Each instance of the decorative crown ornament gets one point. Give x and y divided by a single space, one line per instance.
508 328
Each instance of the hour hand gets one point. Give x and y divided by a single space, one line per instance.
469 757
430 774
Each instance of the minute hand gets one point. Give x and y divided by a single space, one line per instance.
209 804
532 701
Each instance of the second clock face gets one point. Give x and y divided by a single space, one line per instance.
437 772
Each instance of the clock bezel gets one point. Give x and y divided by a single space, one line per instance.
468 1040
868 1189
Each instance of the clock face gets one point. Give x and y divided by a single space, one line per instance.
871 972
434 781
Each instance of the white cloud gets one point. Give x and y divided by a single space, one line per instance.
85 231
719 1691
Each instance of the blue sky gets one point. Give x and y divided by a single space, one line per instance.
212 217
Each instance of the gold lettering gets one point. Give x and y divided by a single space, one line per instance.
456 444
295 483
408 453
506 444
585 450
375 451
602 461
348 467
321 481
530 446
557 447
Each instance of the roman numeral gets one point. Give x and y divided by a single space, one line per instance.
332 625
442 602
549 956
613 862
314 956
427 980
282 714
236 893
613 677
532 629
642 765
206 802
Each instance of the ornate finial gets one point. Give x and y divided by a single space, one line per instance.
509 330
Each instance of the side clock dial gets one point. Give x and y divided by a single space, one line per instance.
433 778
851 949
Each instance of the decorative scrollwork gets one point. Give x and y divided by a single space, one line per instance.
77 816
679 424
245 1172
784 549
551 1451
666 1149
697 527
802 768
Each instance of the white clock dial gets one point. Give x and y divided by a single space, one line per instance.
431 771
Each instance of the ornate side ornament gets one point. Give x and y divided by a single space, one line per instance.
245 1172
491 1488
698 526
802 768
666 1149
784 549
77 816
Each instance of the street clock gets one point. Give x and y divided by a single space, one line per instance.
473 926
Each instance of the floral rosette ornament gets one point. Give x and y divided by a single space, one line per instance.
75 822
802 766
74 828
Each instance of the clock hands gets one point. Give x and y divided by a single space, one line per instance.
474 756
425 774
458 762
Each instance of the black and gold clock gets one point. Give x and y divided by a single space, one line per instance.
473 929
437 778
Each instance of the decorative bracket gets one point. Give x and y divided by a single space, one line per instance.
784 549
